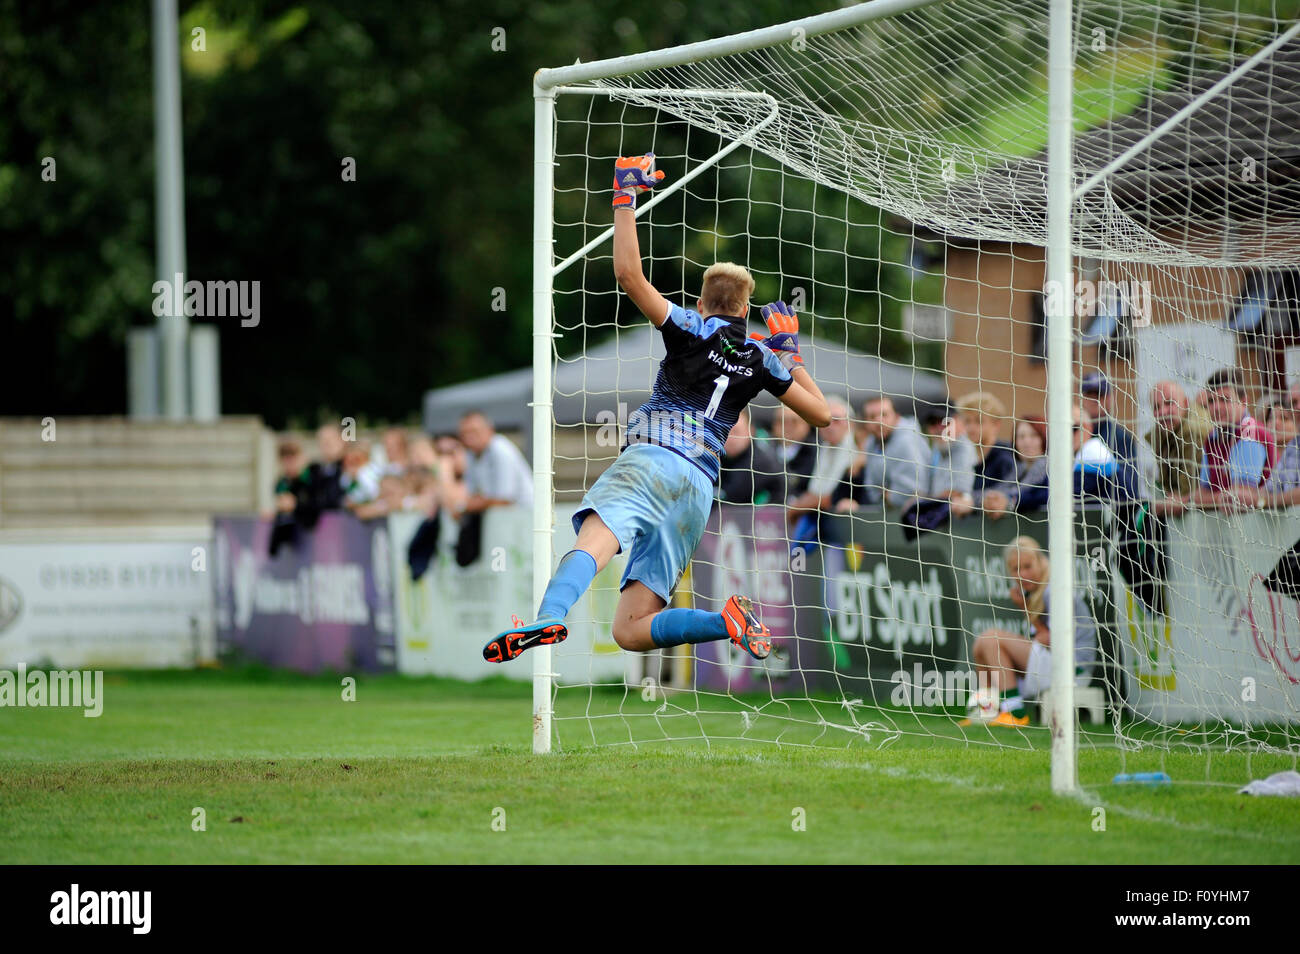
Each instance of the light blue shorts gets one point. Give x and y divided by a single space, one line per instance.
656 503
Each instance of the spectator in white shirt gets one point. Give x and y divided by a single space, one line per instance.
360 477
497 474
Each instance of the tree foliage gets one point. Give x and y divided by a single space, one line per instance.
372 291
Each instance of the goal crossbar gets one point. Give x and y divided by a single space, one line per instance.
547 79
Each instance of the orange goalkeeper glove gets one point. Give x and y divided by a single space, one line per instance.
632 175
783 334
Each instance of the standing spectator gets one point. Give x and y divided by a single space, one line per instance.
1031 470
794 449
421 477
360 479
750 475
1141 534
412 490
952 457
995 467
434 481
449 445
1097 475
949 476
1098 400
390 499
304 493
396 452
1133 458
292 497
452 463
1240 452
1177 439
1282 489
330 445
291 484
835 455
894 461
422 455
497 474
326 474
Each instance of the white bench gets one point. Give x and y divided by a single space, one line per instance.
1091 699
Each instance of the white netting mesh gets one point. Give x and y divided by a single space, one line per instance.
898 201
938 115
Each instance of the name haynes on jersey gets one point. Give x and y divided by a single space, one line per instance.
725 365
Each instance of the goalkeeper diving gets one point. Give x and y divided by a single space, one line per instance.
654 500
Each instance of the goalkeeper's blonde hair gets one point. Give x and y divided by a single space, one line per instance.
727 288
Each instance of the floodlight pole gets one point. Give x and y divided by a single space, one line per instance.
169 210
1060 391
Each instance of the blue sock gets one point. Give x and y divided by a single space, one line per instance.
672 627
572 577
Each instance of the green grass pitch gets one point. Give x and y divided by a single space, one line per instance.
418 770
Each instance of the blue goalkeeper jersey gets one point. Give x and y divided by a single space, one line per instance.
711 371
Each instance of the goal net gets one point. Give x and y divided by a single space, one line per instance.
887 177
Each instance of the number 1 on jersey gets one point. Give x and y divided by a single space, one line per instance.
721 382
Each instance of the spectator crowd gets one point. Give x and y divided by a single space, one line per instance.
459 474
1206 452
972 458
1210 451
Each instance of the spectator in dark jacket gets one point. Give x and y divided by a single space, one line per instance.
1098 402
750 474
1031 470
294 509
327 481
291 485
